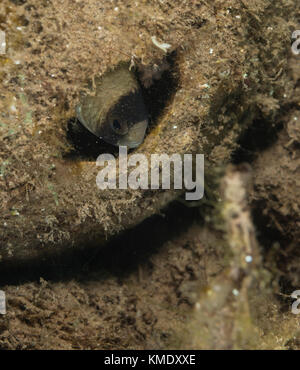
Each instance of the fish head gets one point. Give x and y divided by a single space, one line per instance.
116 112
127 122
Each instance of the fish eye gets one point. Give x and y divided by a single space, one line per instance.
116 125
119 126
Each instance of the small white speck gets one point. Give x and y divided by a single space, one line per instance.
17 62
19 28
116 9
52 75
284 95
217 288
211 50
13 108
248 259
99 28
235 292
5 224
295 118
163 46
238 16
40 132
205 86
174 126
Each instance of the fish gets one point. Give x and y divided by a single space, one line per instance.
115 110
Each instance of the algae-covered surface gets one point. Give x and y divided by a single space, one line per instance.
84 268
